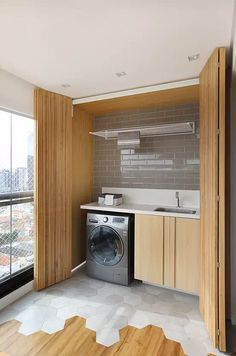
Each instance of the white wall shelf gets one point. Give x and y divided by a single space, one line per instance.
181 128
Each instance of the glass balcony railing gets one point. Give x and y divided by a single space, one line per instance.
16 233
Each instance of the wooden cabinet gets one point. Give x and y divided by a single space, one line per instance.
167 251
149 243
182 254
187 254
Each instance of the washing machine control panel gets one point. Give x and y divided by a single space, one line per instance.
120 222
118 219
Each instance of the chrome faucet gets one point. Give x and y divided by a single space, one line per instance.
177 197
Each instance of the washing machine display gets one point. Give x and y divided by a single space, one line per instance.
105 246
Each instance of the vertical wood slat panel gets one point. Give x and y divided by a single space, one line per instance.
212 175
82 179
209 193
53 114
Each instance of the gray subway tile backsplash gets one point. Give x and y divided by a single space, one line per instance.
161 162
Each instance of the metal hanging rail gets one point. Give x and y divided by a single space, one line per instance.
181 128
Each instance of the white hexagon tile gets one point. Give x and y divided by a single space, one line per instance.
108 308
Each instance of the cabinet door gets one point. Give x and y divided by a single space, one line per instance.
187 254
212 184
149 248
169 251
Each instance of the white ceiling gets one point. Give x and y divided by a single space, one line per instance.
85 42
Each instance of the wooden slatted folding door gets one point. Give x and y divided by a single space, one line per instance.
212 192
53 115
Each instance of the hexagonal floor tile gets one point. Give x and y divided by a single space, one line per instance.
67 312
55 291
53 325
114 299
31 326
36 312
86 311
140 319
132 299
107 336
96 322
117 322
149 298
7 314
125 310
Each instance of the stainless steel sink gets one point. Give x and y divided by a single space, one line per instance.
176 210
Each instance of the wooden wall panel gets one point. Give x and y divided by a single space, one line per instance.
212 155
53 114
82 183
168 97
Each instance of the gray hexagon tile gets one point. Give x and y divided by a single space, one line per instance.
68 311
125 310
8 313
36 312
117 322
32 325
140 319
149 298
108 308
97 322
114 299
132 299
60 302
96 283
86 311
53 325
107 336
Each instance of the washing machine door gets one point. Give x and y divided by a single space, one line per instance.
105 246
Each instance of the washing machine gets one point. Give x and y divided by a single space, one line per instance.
110 247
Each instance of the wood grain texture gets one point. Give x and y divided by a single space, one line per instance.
149 245
76 340
187 255
82 180
53 115
169 97
222 201
212 290
169 251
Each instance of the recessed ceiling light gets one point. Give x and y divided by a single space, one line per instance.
121 74
194 57
66 86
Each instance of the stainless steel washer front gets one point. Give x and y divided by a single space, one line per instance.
110 247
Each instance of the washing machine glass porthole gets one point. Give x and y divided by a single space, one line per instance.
105 246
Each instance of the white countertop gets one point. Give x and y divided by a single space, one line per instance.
140 209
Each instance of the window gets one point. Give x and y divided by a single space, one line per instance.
16 199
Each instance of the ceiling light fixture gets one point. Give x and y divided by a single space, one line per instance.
66 86
121 74
194 57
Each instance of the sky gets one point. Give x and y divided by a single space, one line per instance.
22 129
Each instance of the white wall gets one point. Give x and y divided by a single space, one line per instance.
233 181
16 94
